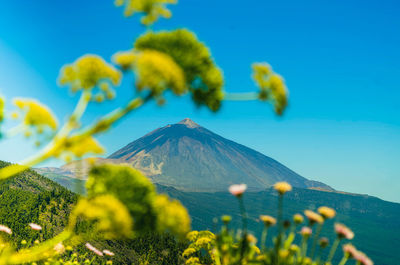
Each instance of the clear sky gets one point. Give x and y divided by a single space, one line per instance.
340 59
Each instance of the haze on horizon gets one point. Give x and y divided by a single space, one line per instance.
343 123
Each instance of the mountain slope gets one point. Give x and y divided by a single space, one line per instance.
29 197
192 158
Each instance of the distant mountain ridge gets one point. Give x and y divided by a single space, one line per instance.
190 157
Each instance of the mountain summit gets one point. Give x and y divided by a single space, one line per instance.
189 157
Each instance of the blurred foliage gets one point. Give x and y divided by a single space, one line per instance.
121 202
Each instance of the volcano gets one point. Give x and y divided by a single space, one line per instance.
190 157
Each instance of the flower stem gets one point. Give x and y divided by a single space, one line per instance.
333 249
344 260
314 244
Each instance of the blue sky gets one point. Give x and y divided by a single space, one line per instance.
340 60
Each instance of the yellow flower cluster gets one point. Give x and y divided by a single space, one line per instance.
88 72
76 147
200 242
36 115
172 216
154 70
109 216
153 9
124 59
203 78
149 211
272 86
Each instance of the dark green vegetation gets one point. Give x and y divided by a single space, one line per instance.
376 223
28 198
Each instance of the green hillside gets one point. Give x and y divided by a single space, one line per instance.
29 197
375 222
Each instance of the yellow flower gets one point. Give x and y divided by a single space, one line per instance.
191 236
87 72
36 114
188 252
313 217
157 72
153 9
268 220
282 187
171 216
78 146
109 215
326 212
193 261
203 78
298 218
124 59
251 239
272 86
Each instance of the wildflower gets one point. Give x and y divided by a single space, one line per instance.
343 231
203 241
93 249
237 189
68 248
36 114
188 252
87 71
59 248
36 242
108 253
283 253
294 248
326 212
35 226
193 260
226 219
268 220
172 216
124 59
251 239
313 217
323 242
282 187
306 231
152 9
298 218
23 242
109 262
195 60
350 250
363 259
157 71
192 235
5 229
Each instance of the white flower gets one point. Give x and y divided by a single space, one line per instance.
5 229
35 226
237 189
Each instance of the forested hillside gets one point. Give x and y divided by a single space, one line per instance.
29 197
